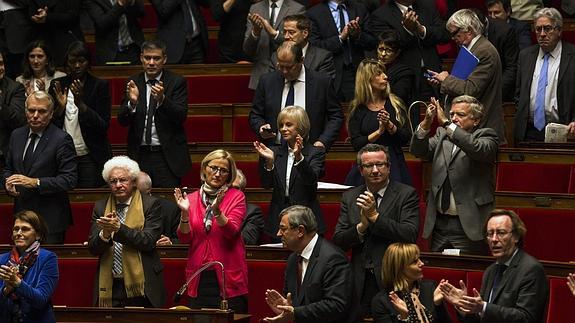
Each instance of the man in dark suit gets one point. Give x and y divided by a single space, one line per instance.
318 282
125 228
462 185
232 15
168 209
485 81
16 33
253 223
420 29
296 29
155 109
182 27
41 167
311 90
501 10
118 33
263 35
341 28
12 97
372 217
514 288
552 99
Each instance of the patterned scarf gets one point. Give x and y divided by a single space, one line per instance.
23 262
209 195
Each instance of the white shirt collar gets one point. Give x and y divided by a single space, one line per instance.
307 251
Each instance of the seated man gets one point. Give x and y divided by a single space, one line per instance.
318 283
125 228
514 288
253 223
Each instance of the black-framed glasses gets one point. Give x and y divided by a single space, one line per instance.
547 29
215 169
499 233
376 165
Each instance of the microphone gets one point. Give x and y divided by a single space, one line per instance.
182 290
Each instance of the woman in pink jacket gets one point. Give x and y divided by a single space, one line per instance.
210 222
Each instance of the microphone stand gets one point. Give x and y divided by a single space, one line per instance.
182 290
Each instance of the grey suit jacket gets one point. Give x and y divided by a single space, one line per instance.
471 170
485 83
259 48
398 221
522 294
565 93
315 58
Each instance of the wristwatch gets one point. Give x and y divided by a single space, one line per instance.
446 123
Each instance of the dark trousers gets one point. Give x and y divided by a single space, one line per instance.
56 238
209 295
120 298
448 234
370 289
89 172
532 134
346 91
193 52
130 53
153 162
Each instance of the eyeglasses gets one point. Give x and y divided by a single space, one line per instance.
115 181
499 233
215 169
22 229
455 32
387 50
376 165
547 29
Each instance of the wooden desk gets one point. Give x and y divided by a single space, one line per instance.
156 315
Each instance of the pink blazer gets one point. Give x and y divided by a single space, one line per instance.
222 243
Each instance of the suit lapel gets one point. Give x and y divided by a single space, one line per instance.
309 82
277 96
42 144
329 17
509 272
566 59
20 145
281 14
387 199
309 270
282 168
532 60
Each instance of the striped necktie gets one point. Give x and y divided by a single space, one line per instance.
117 265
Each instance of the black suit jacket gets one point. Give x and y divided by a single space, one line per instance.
503 37
522 293
326 293
321 104
62 26
413 49
170 212
12 113
106 18
232 30
398 221
317 59
18 30
384 312
143 241
170 21
169 119
522 31
302 185
94 122
252 225
324 34
54 163
565 93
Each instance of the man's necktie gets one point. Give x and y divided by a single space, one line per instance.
150 114
291 94
124 38
28 156
299 272
117 265
445 194
273 14
497 280
188 19
345 43
539 115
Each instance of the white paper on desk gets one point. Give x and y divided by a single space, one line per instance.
331 186
273 245
556 132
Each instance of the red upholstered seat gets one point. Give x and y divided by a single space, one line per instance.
150 20
533 177
336 171
204 128
330 213
453 275
82 215
561 301
116 133
174 278
6 223
242 131
263 275
75 286
546 238
219 89
473 280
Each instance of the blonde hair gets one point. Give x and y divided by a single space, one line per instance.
366 71
395 260
219 154
298 115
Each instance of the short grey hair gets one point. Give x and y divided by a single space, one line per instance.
300 215
122 162
41 95
475 105
466 20
551 13
144 182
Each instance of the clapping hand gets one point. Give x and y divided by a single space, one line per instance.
181 198
281 306
398 304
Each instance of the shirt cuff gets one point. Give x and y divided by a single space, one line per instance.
131 108
451 129
424 33
269 170
420 132
298 162
101 235
483 309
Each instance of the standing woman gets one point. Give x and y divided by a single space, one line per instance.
292 169
38 68
82 109
378 116
406 297
211 220
28 274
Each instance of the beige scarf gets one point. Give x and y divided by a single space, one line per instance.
132 268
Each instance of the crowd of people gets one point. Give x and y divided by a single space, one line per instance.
306 61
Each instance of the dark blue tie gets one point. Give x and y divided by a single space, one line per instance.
497 280
291 94
28 156
150 114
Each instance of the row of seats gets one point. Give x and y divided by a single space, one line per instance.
74 292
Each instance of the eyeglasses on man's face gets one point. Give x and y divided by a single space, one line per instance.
547 29
499 233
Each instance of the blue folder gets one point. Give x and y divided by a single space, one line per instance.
465 63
